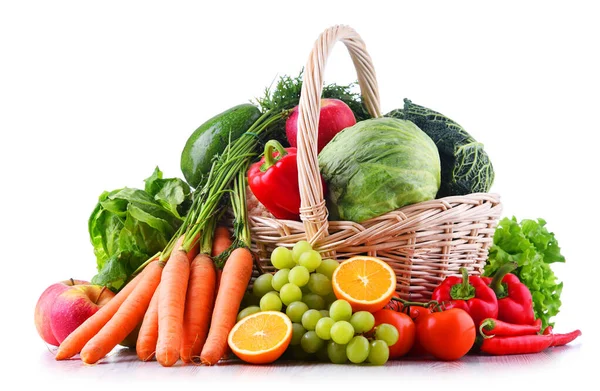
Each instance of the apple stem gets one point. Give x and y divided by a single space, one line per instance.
100 294
72 281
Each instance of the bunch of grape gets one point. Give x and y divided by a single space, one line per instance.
323 326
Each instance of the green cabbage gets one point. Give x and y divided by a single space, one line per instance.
377 166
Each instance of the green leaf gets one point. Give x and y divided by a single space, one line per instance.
113 274
128 226
170 193
534 248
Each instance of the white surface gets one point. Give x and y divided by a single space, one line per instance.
94 95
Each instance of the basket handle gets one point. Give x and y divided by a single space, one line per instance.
313 210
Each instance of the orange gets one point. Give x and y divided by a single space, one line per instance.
262 337
367 283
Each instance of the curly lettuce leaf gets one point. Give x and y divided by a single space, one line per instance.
129 225
534 249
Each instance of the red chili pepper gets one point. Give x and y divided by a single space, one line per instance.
520 344
563 339
496 327
525 344
515 304
274 181
468 293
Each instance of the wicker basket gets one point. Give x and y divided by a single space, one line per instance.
423 243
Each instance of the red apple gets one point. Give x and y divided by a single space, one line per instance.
334 117
65 305
43 308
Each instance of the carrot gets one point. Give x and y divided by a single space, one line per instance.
148 335
221 241
171 305
199 304
234 281
127 317
92 325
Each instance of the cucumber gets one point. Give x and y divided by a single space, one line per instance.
212 137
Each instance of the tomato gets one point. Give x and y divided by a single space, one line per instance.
406 330
417 314
447 335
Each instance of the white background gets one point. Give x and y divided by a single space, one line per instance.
94 95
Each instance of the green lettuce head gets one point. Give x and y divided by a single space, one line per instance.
377 166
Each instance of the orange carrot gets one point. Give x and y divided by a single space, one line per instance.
199 304
171 306
92 325
221 241
234 281
148 335
127 317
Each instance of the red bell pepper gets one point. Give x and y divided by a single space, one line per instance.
515 304
274 181
469 293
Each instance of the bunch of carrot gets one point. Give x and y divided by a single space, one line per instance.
184 311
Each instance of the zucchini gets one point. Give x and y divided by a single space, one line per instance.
211 138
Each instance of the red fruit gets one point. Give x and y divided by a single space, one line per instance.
447 335
406 330
334 116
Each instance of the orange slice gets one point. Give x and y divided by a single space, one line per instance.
262 337
367 283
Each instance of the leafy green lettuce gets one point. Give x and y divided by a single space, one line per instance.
534 249
129 225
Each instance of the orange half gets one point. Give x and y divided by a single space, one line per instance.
367 283
261 338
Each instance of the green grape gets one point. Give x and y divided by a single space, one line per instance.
250 299
329 299
362 321
262 285
319 284
281 258
297 332
310 342
314 301
379 352
299 275
327 267
310 319
280 279
300 248
270 302
248 311
290 293
295 310
321 354
323 328
388 333
340 310
357 349
324 313
337 353
305 289
310 260
341 332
